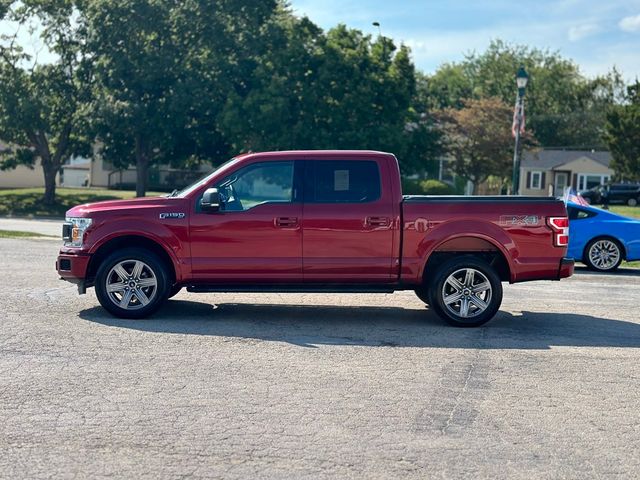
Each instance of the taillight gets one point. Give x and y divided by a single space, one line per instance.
560 227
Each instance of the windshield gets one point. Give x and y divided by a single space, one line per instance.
203 180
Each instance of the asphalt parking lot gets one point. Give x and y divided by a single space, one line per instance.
316 386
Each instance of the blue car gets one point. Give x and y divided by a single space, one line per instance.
601 239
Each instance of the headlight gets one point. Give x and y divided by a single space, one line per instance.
73 231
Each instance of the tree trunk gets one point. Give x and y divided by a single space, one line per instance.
50 173
142 166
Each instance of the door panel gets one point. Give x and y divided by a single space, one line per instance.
348 225
257 237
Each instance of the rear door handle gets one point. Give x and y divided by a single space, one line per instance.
286 222
377 221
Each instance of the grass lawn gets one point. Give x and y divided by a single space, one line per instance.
19 234
633 212
27 202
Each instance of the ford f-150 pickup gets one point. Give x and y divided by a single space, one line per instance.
313 221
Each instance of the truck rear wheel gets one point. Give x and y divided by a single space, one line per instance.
132 283
466 291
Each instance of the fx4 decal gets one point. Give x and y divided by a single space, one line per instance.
520 220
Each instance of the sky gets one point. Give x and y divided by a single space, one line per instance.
596 34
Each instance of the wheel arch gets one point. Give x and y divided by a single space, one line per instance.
475 245
132 241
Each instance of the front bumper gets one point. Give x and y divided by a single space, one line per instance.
566 268
73 267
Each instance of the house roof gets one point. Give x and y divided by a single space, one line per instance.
551 159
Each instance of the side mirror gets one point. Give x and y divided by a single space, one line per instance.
210 200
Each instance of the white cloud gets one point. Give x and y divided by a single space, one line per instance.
630 24
579 32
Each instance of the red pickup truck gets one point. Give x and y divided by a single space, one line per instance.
313 221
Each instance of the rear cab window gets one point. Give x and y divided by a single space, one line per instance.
342 181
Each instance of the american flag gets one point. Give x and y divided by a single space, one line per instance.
570 195
514 125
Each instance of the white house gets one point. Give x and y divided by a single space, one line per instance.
548 172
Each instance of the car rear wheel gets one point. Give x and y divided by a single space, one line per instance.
466 292
603 254
132 283
632 202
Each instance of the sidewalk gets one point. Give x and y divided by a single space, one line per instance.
43 227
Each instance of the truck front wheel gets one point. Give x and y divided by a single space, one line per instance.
132 283
466 291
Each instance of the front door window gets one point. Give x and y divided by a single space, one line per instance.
561 182
270 182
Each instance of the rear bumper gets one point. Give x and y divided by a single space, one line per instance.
566 268
73 268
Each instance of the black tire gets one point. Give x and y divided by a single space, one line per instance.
632 202
152 270
607 263
423 294
481 306
173 291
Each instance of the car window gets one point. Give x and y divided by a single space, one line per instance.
342 181
257 184
579 214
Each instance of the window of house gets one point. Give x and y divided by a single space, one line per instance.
590 180
536 180
337 181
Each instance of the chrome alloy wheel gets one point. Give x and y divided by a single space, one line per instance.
466 293
604 254
131 284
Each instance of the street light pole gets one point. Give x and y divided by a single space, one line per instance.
384 45
521 81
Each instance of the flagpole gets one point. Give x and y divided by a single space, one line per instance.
516 151
521 81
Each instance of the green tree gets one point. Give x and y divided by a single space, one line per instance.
163 72
563 108
623 135
41 105
341 89
478 137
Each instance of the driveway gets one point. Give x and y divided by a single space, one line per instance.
316 386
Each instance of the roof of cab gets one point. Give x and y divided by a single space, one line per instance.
316 154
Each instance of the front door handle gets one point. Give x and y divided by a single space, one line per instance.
286 222
377 221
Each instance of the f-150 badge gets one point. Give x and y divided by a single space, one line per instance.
171 215
520 220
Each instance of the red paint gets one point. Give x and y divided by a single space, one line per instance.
300 242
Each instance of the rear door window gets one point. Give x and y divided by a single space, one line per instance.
342 181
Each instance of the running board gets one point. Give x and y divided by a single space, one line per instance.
292 288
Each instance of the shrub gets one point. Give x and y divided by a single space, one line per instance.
426 187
